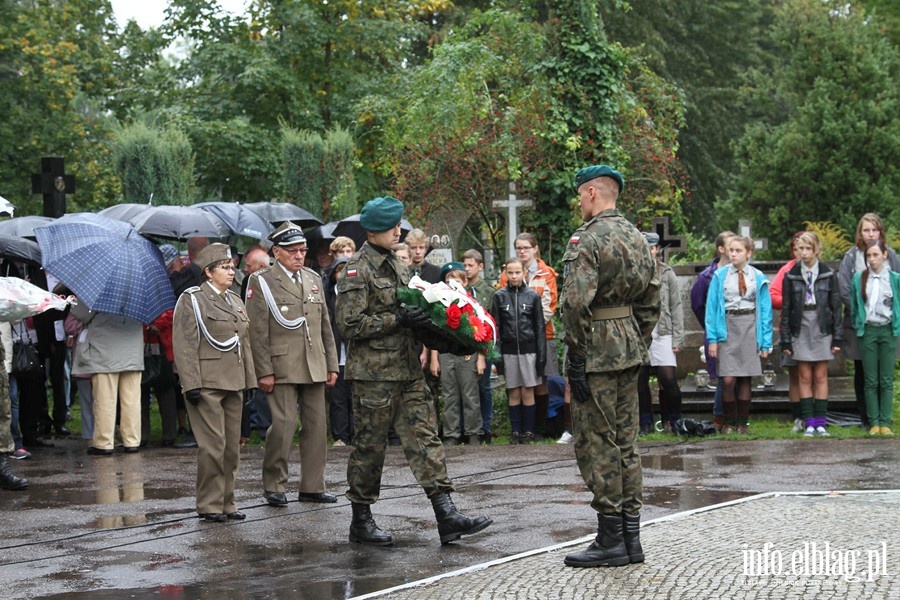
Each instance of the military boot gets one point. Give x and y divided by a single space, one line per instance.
8 481
607 550
631 529
363 529
452 524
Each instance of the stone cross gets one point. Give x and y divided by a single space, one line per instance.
667 241
744 230
512 204
54 184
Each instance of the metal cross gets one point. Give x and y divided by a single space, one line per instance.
744 230
512 204
667 241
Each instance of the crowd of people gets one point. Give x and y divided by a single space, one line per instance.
258 348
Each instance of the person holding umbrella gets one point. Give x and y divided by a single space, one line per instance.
211 338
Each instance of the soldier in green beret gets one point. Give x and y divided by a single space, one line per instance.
386 380
610 303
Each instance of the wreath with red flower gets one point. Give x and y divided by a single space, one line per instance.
455 316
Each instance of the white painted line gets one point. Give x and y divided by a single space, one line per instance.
584 540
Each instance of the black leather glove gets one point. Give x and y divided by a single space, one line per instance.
193 396
410 317
578 386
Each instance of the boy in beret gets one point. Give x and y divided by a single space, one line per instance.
386 380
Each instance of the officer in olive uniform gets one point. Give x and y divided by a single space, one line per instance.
387 383
295 358
610 303
210 335
8 481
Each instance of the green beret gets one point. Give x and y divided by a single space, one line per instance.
595 171
381 214
451 266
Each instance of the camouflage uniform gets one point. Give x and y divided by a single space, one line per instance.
610 303
386 378
6 441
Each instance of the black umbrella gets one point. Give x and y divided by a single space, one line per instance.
321 233
239 219
23 227
20 249
279 212
179 223
351 228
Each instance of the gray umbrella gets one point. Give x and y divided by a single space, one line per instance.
23 227
20 249
179 223
124 212
239 219
279 212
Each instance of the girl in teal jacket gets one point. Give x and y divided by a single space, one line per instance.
739 330
875 313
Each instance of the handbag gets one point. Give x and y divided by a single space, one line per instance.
151 366
25 359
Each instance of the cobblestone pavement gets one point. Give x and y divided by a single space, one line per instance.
767 546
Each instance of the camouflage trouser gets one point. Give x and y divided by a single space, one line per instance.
6 441
376 404
605 441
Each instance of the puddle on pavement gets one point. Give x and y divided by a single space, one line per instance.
684 498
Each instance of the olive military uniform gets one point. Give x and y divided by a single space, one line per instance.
609 307
386 377
221 372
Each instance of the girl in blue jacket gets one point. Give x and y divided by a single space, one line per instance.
875 312
738 330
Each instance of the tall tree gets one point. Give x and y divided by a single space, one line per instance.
827 137
155 166
704 48
56 68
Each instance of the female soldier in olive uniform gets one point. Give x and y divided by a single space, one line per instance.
213 359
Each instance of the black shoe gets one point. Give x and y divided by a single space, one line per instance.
236 516
452 524
99 451
321 497
607 549
8 481
213 517
130 449
38 442
275 498
363 529
62 430
631 533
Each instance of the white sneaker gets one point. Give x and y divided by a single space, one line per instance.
565 438
822 432
798 426
810 431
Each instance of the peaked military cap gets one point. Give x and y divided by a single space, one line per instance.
287 234
595 171
381 214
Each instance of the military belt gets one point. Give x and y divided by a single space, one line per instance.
613 312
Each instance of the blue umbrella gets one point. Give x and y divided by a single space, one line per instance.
107 264
240 219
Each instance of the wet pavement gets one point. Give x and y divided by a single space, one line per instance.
111 527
